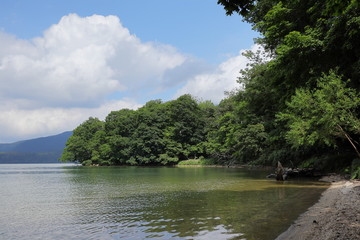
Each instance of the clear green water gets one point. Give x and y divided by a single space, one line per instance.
54 201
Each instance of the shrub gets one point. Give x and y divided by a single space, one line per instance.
355 169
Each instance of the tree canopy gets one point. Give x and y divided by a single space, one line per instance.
314 58
157 133
323 114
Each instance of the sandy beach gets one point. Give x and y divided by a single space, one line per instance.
335 216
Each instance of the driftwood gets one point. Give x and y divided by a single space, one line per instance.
280 172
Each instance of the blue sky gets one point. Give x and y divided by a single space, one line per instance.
64 61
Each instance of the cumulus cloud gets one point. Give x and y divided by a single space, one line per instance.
212 85
79 61
54 82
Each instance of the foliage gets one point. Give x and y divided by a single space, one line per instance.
84 144
323 114
304 40
307 37
355 169
156 134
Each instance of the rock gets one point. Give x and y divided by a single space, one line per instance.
272 175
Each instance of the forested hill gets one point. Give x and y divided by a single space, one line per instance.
298 102
158 133
39 150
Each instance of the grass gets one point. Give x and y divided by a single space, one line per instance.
201 161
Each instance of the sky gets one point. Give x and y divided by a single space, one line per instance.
62 62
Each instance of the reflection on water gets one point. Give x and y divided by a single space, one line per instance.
70 202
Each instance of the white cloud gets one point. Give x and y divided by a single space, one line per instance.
79 61
16 124
54 82
211 86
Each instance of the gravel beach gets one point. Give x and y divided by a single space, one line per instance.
335 216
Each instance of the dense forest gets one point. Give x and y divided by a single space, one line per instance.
297 102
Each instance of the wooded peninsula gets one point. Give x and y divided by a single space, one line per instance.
297 101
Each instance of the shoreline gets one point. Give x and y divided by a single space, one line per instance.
335 216
270 168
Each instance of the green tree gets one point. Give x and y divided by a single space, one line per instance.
119 127
186 127
148 137
86 140
237 138
324 114
249 143
222 138
305 39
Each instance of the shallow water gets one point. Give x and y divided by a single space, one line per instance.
57 201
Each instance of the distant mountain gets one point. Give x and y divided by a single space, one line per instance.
38 150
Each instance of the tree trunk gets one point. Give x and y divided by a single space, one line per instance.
279 172
349 139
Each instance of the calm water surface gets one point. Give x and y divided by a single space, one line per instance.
57 201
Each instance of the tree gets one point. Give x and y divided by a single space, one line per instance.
308 37
242 7
85 141
324 114
250 142
238 137
119 128
157 133
186 128
147 138
305 39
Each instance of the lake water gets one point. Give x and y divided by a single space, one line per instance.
57 201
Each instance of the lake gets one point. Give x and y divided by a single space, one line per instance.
64 201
